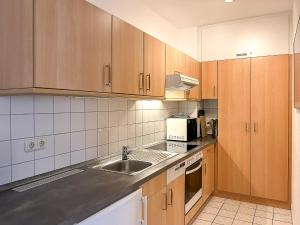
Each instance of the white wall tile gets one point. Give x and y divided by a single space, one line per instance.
91 105
91 138
103 151
18 152
131 142
139 129
131 131
77 140
91 120
5 127
122 118
5 154
43 124
131 105
62 143
121 145
139 116
22 126
44 165
62 123
139 141
5 105
131 117
91 153
113 119
62 104
77 122
139 104
148 128
147 139
122 133
22 171
113 148
159 136
21 104
77 104
5 175
62 160
103 104
102 119
43 104
49 151
77 157
103 136
113 134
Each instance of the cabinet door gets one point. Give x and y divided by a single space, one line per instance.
157 208
210 80
270 123
175 61
127 58
176 201
16 44
72 45
208 175
211 169
234 119
193 70
154 66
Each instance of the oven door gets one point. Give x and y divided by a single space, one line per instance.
193 184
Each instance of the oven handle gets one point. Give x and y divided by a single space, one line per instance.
193 170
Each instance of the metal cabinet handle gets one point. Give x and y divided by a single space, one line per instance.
214 90
141 81
144 221
148 82
108 77
170 198
255 127
165 203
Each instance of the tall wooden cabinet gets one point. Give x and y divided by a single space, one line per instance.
253 141
154 66
210 80
233 126
270 127
127 58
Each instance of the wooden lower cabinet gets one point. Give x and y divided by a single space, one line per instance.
208 171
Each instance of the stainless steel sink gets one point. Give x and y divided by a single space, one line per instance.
127 166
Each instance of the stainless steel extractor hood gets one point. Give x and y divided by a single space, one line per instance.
180 82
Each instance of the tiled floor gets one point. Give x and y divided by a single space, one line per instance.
231 212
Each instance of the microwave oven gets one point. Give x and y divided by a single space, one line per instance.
181 129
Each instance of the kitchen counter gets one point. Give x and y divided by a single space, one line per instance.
75 198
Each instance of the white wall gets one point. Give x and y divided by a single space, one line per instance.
267 35
142 17
296 140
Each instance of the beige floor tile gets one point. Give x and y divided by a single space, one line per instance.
262 221
247 211
232 208
282 218
232 202
223 220
265 208
280 223
217 205
248 205
238 222
211 210
201 222
206 216
217 199
225 213
264 214
244 217
282 211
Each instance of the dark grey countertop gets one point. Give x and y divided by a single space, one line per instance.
75 198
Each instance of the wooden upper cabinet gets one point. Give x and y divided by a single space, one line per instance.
210 80
127 58
175 61
16 44
233 126
193 70
72 46
154 66
270 127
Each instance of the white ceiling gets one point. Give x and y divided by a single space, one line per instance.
186 13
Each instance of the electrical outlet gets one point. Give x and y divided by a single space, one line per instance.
30 145
41 143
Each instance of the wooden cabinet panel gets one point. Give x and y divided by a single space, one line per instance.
72 45
176 201
234 119
210 80
154 66
208 172
270 116
127 58
193 70
16 44
175 61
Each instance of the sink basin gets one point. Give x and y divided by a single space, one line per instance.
127 166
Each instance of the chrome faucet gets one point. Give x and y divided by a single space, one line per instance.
125 153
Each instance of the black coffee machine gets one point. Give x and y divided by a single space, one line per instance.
213 123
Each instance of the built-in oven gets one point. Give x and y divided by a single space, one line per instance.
193 180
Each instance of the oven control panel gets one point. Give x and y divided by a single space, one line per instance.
194 159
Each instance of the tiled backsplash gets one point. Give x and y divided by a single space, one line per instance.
76 129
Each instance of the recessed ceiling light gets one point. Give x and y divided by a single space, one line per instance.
228 1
